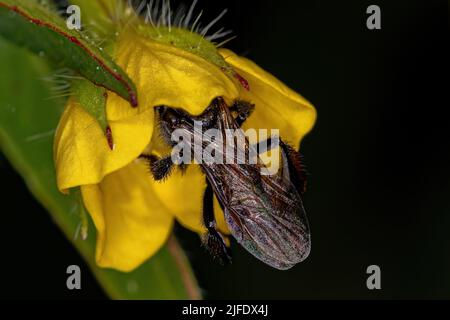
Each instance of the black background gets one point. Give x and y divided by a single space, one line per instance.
378 157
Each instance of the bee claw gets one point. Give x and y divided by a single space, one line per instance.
215 244
160 168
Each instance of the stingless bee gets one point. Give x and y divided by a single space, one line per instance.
264 213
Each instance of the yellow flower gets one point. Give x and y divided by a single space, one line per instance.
134 214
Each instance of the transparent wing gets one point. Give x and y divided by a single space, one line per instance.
263 212
266 217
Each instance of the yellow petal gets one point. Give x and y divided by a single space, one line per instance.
277 106
166 75
132 223
82 155
183 193
220 218
163 75
183 196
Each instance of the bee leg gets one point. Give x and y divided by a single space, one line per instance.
297 171
265 145
243 110
213 240
159 167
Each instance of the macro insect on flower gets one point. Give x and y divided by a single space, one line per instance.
263 212
119 153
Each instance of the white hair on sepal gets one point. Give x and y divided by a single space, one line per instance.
198 28
141 7
179 16
61 82
159 13
189 14
196 21
219 34
213 22
221 44
149 17
169 16
162 16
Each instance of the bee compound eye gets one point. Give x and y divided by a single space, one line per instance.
160 109
171 117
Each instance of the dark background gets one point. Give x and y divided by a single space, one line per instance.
378 157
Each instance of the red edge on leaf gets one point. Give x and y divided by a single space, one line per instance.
109 137
244 83
132 95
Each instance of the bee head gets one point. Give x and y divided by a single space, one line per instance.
172 118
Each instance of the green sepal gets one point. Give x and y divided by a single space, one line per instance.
92 99
28 119
28 24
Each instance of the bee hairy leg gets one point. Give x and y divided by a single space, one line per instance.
159 167
297 171
213 240
265 145
294 160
